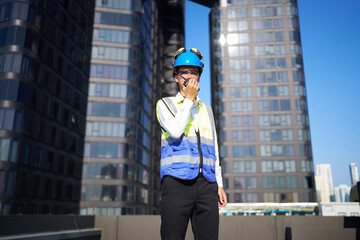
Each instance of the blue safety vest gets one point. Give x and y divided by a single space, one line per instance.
184 157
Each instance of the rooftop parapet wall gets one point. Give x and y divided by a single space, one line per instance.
235 227
148 227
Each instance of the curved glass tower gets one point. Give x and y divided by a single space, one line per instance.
44 70
259 101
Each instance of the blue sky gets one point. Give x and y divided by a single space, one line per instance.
330 33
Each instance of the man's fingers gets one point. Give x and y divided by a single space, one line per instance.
222 198
193 82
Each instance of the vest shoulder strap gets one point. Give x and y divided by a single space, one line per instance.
211 116
168 107
168 102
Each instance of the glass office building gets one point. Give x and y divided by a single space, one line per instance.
259 101
44 65
133 43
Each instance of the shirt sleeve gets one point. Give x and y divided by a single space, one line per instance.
218 174
175 126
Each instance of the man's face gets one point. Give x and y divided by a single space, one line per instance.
188 72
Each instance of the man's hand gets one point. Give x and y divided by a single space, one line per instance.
222 197
191 90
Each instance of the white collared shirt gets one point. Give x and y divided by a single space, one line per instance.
175 126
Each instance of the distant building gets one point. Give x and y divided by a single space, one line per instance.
45 49
294 208
340 209
342 193
323 193
259 101
324 183
132 51
354 174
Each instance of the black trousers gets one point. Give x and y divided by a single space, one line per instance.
182 200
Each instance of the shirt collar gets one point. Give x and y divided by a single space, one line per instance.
180 98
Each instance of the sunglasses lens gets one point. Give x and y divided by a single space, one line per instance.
189 72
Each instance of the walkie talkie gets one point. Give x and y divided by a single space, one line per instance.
186 82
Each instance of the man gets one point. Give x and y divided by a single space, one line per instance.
192 185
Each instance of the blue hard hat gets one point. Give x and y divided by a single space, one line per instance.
190 57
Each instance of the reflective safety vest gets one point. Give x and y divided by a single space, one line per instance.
183 158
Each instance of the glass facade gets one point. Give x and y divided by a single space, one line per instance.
121 153
259 101
44 72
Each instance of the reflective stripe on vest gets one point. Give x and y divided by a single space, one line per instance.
180 157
